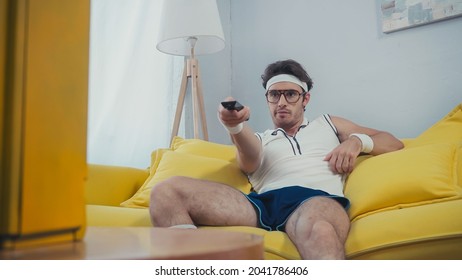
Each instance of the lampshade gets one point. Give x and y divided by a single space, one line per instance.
183 19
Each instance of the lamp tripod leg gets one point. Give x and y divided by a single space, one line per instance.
195 98
191 70
180 104
200 98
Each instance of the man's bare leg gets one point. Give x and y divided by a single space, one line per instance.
319 228
182 200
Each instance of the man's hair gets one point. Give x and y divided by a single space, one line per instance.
290 67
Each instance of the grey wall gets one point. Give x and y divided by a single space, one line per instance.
401 82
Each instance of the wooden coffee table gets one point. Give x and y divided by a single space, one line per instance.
149 243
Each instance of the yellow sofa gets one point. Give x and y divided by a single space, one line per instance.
404 205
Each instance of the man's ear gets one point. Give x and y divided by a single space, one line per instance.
306 99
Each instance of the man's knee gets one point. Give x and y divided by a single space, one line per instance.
167 202
332 216
319 214
169 188
323 229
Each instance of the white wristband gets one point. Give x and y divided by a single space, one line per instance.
366 141
234 129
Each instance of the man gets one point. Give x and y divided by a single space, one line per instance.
296 169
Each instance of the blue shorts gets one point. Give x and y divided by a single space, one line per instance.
274 207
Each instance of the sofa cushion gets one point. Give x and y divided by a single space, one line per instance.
408 177
448 129
431 231
178 162
116 216
458 166
203 148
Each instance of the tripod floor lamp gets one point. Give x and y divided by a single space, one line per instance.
190 28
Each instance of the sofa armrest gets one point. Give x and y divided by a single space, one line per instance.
111 185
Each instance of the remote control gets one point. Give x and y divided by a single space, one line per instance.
232 105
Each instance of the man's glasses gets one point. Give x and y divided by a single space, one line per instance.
291 95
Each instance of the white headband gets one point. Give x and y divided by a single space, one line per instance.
286 78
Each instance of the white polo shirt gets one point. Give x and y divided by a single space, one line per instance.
298 160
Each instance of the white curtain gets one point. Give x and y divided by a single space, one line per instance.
132 88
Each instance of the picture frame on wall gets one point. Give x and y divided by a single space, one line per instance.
402 14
